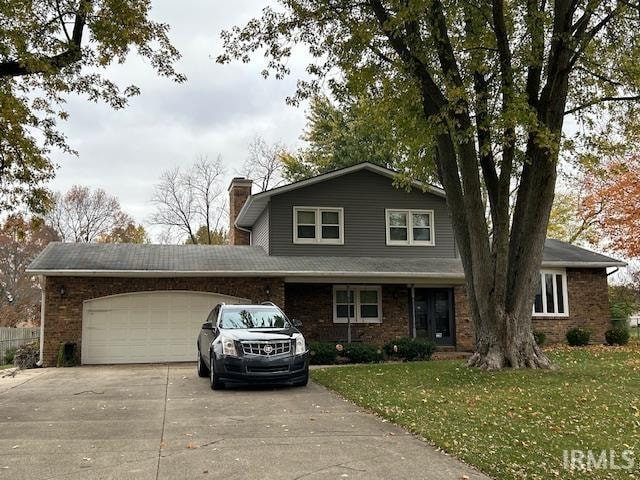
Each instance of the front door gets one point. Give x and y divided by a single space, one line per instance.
433 309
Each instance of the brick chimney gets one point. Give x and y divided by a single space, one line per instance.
239 191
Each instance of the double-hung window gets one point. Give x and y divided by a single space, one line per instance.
318 225
360 304
410 227
551 298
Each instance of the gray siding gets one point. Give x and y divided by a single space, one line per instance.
364 195
260 231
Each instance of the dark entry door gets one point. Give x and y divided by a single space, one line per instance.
434 314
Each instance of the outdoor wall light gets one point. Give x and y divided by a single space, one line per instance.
267 290
63 291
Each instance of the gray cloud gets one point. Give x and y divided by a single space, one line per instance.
216 112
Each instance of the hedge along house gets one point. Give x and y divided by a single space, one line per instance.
345 252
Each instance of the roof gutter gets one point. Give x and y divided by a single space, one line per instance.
612 263
238 273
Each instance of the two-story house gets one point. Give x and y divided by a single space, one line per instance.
346 252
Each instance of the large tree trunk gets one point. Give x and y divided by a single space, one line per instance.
505 340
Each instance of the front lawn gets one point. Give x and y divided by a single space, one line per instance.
511 424
3 367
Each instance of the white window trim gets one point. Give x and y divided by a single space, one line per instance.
356 299
318 239
410 241
565 294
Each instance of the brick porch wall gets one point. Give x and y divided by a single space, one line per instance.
588 308
312 304
63 314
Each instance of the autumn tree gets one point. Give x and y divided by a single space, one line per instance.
85 215
486 87
613 199
49 50
187 200
20 241
214 237
571 220
341 134
264 164
126 232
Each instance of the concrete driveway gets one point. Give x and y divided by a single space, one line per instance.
163 422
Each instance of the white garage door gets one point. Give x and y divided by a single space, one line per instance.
145 327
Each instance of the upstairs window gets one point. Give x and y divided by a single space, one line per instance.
410 227
318 225
551 298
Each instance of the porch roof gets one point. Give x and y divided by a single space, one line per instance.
115 260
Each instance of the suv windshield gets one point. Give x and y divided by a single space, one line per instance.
253 318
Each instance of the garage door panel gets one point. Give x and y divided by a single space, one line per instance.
145 327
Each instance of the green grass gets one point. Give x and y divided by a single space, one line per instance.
511 424
3 367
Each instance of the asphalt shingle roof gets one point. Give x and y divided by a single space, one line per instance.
101 259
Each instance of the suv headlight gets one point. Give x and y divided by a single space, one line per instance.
229 346
301 347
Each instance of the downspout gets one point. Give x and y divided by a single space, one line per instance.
42 310
349 312
615 270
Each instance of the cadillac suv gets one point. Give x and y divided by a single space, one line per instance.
251 344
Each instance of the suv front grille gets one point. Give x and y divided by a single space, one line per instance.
267 349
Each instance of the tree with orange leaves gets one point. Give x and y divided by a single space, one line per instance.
612 196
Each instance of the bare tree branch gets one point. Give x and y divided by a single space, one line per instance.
191 201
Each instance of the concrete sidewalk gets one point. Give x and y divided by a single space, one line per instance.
163 422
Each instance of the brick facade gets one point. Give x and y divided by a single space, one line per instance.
312 304
588 293
63 313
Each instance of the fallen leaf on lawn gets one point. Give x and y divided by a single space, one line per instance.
191 445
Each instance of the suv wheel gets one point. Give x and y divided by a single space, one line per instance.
203 371
216 384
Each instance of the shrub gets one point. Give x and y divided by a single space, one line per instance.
27 355
540 338
410 349
67 356
322 353
362 353
617 336
577 337
8 355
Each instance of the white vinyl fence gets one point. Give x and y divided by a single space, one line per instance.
14 337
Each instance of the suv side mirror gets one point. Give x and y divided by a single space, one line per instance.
296 323
207 326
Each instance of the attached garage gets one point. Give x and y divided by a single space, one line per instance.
145 327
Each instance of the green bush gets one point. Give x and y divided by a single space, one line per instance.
362 353
8 356
322 353
617 336
27 355
577 337
410 349
540 338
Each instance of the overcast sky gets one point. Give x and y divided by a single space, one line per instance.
217 111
